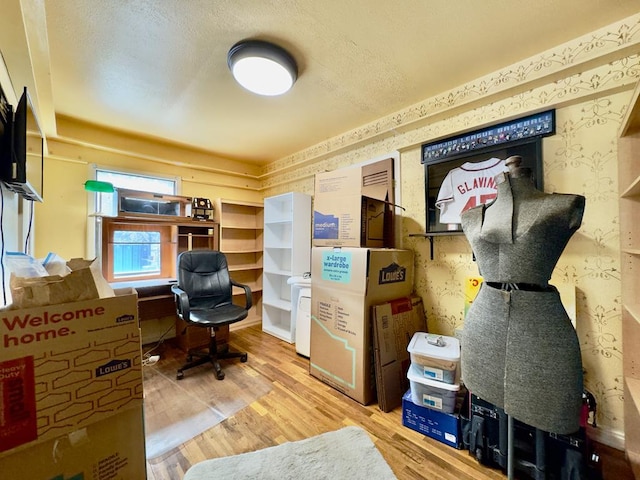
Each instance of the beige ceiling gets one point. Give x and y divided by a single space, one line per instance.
158 67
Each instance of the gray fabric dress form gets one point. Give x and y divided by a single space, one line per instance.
519 348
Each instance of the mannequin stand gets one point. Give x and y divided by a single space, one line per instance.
536 470
498 440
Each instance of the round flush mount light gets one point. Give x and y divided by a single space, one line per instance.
262 67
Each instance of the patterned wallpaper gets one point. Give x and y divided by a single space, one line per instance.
581 159
590 98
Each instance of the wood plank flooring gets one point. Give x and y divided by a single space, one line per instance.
300 406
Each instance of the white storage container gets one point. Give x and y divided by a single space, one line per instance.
435 357
431 393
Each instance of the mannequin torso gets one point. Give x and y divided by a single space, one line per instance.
520 236
519 348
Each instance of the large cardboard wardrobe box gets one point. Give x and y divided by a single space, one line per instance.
345 284
353 206
71 373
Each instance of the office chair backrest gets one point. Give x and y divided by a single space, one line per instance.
204 275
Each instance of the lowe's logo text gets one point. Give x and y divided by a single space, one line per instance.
394 273
112 367
125 318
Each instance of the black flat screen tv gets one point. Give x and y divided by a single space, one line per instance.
22 168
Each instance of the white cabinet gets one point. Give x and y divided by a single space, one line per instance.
287 253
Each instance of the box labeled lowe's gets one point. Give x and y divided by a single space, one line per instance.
110 449
345 284
66 366
353 206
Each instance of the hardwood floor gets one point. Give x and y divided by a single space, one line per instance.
300 406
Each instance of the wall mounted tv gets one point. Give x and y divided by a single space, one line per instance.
22 165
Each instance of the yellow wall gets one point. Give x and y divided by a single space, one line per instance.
61 219
588 82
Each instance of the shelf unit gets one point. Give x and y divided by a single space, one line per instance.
241 232
629 185
287 253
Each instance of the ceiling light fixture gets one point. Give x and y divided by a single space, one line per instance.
262 67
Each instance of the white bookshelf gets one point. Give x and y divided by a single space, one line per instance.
287 253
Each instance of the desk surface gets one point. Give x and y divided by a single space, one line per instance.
148 288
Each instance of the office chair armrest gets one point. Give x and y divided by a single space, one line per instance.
182 302
247 293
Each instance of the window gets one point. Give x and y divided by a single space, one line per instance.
106 203
137 250
133 250
136 253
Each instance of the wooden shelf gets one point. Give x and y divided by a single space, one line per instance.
629 184
631 121
632 438
255 287
633 389
232 250
632 190
241 233
633 312
245 266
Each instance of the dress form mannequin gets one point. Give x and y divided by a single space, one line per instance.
519 348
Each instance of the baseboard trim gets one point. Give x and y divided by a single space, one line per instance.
608 436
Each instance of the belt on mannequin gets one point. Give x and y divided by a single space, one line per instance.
529 287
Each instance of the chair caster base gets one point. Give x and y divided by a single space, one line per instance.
244 358
179 375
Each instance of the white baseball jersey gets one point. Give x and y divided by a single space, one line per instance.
466 186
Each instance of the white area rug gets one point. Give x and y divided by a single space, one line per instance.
347 453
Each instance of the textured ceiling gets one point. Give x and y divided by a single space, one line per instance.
158 67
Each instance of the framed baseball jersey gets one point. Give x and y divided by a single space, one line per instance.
467 186
455 184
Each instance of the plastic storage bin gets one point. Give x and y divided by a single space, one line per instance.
435 357
431 393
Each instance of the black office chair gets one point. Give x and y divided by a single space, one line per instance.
203 298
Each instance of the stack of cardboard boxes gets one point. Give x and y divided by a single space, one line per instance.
352 269
71 389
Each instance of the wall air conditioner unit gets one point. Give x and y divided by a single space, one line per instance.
132 203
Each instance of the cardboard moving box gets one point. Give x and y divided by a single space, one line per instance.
66 366
110 449
345 284
394 324
353 206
